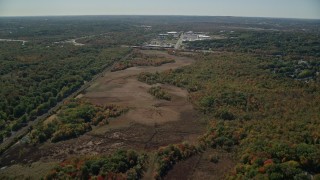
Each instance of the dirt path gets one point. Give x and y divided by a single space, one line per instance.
149 173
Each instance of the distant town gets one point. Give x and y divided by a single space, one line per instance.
174 39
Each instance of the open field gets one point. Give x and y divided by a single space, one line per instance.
149 124
123 88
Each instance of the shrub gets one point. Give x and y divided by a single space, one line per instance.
167 156
123 164
226 115
214 158
159 93
74 119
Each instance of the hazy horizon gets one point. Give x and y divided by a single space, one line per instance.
307 9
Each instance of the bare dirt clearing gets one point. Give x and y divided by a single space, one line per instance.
123 88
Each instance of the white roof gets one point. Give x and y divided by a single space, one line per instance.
203 36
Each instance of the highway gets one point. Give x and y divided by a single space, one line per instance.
179 42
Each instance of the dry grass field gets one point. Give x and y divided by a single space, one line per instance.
149 124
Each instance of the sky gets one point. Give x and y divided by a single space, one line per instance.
309 9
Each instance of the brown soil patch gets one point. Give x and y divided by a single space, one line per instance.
50 119
79 96
183 169
206 169
35 170
200 167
